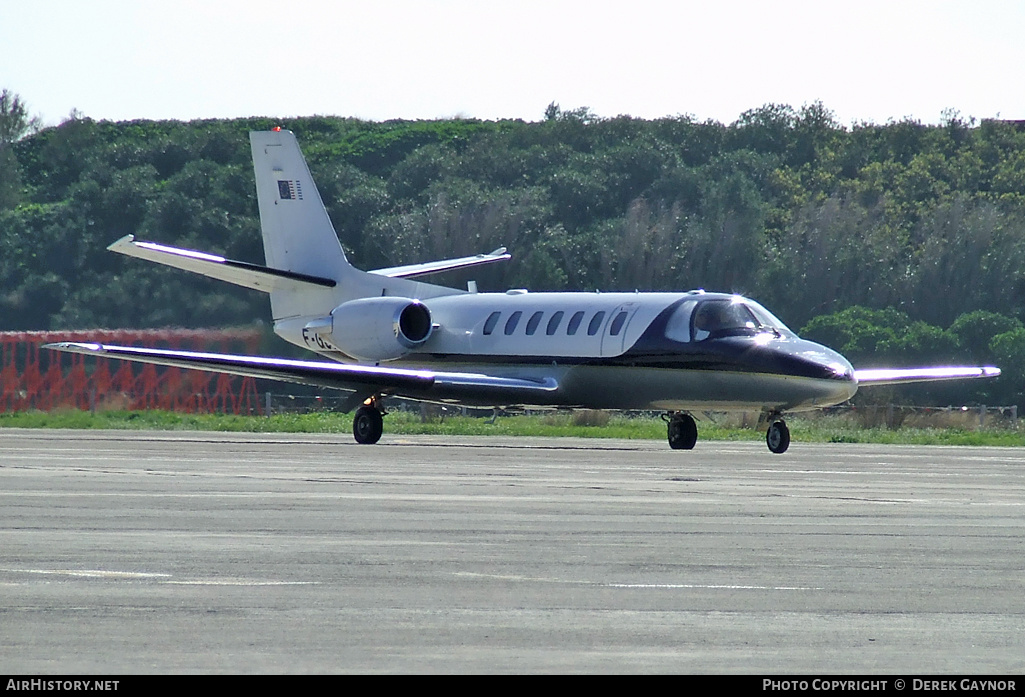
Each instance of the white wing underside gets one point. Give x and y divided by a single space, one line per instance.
365 380
898 376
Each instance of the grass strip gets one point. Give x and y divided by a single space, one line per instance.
813 429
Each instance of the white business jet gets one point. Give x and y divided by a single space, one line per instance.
388 335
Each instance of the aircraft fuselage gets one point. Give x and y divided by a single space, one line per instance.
619 351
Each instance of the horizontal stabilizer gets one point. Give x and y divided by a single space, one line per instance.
240 273
897 376
418 384
429 267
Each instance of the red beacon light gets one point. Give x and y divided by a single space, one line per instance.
276 128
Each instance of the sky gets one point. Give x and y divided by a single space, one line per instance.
866 61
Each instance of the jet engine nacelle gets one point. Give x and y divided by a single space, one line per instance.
380 329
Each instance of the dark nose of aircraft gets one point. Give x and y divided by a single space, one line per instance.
832 360
827 362
834 375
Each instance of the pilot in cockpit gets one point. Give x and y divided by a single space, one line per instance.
708 319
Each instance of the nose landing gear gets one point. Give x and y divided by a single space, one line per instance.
778 436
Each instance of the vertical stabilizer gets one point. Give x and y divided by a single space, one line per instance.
297 233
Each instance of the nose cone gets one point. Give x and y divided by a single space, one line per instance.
829 363
806 375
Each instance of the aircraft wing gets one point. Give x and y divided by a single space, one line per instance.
240 273
896 376
363 379
444 265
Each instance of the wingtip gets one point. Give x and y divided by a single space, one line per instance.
120 243
895 376
74 347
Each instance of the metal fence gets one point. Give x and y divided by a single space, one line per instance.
34 379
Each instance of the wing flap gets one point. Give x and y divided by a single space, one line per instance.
898 376
418 384
241 273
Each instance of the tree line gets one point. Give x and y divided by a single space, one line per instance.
812 218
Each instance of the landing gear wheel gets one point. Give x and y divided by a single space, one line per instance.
682 432
367 425
778 437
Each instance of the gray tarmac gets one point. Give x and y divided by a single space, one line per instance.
152 552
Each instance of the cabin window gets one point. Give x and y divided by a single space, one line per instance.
490 322
617 324
574 322
553 323
678 325
510 324
535 319
595 324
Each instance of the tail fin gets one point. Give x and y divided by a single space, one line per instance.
299 240
297 233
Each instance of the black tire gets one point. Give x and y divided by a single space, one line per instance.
683 432
367 425
778 437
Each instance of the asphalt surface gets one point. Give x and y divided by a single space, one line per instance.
125 552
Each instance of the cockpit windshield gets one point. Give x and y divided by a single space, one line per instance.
714 317
766 318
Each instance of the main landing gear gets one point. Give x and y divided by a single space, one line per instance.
683 432
368 423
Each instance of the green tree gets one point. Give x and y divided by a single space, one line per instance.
15 124
1009 351
919 344
10 178
976 330
857 332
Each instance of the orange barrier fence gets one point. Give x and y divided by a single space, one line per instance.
31 378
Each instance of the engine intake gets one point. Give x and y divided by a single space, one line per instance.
380 329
